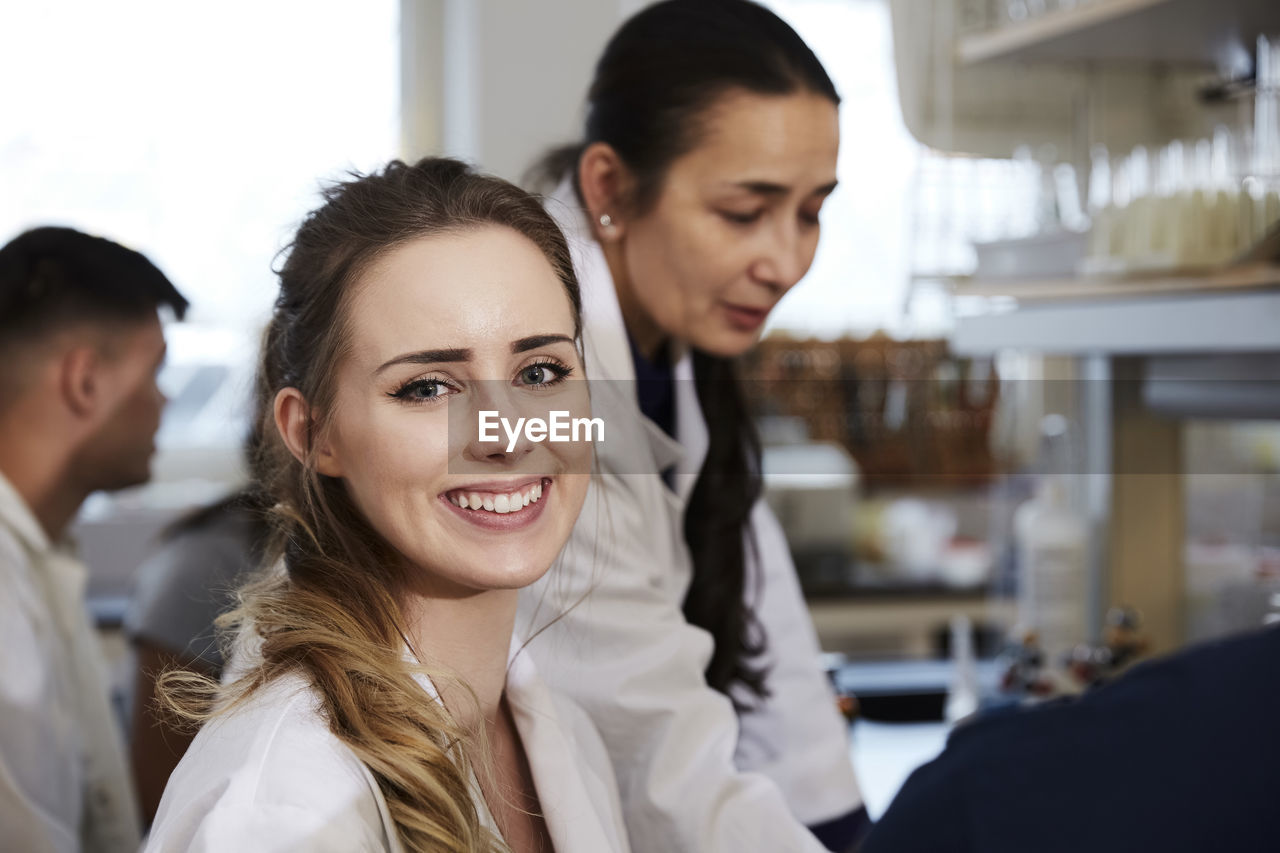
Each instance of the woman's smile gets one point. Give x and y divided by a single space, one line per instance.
500 508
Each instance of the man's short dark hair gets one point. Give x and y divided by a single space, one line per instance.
53 277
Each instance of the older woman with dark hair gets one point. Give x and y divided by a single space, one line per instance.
692 206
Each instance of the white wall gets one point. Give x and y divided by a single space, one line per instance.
498 82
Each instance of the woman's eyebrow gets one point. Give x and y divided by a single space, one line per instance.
535 341
455 356
428 356
765 188
769 188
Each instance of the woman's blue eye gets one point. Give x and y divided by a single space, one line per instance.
536 374
422 389
543 374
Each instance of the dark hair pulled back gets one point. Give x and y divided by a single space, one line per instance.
656 84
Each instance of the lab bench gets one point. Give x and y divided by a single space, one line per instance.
900 622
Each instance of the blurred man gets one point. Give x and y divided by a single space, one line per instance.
80 345
1180 755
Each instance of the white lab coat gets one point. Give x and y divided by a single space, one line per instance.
270 777
694 776
64 785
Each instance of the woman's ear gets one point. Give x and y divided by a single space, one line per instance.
606 186
293 421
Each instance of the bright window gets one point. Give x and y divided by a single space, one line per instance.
904 216
198 134
194 132
859 278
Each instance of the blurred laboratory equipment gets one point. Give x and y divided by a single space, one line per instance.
1020 11
960 201
1266 121
908 412
812 487
915 534
1051 241
1021 664
1051 547
1232 552
878 463
1093 664
1028 673
962 694
1190 206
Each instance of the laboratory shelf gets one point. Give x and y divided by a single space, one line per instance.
1191 32
1230 312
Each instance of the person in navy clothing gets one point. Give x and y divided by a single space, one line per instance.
1181 754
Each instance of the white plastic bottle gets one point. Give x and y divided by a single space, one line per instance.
962 694
1050 538
1052 569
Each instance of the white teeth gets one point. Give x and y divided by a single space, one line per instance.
498 503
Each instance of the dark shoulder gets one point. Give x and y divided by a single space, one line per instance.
1005 776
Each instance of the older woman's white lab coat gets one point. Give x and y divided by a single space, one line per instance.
270 776
694 776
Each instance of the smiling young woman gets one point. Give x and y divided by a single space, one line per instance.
380 701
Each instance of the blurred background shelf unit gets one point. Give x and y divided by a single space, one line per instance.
908 412
1117 72
908 625
879 463
1168 314
1147 356
1186 32
1163 337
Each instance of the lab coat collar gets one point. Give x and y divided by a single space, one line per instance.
572 821
17 515
59 562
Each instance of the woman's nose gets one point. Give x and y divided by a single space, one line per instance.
499 440
784 261
491 425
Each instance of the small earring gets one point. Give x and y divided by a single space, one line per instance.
606 221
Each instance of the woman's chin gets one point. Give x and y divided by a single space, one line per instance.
513 575
508 565
726 342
